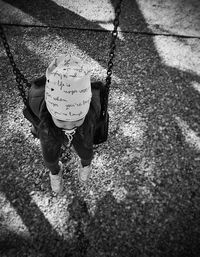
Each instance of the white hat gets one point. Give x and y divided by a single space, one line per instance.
68 88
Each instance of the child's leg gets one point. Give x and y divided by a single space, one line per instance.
51 149
51 154
86 155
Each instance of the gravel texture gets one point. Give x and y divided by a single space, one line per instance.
143 197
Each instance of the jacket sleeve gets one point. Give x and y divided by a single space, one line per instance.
36 95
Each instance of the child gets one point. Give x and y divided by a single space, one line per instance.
68 112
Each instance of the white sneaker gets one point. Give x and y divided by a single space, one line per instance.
84 173
57 180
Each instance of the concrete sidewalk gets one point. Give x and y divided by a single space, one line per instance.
156 17
169 17
143 196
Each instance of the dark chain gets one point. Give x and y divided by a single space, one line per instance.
18 75
113 44
112 53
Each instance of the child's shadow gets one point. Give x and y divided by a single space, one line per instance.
43 238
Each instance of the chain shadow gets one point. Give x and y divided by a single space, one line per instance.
108 230
116 229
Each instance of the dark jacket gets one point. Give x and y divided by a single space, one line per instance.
83 138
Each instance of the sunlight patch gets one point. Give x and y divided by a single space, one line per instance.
145 194
169 16
100 160
94 11
132 130
10 220
196 86
147 169
191 136
183 55
54 47
120 194
56 216
109 26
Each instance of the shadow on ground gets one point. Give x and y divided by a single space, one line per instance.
160 215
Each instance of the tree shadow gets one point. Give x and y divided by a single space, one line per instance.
51 14
162 93
120 230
